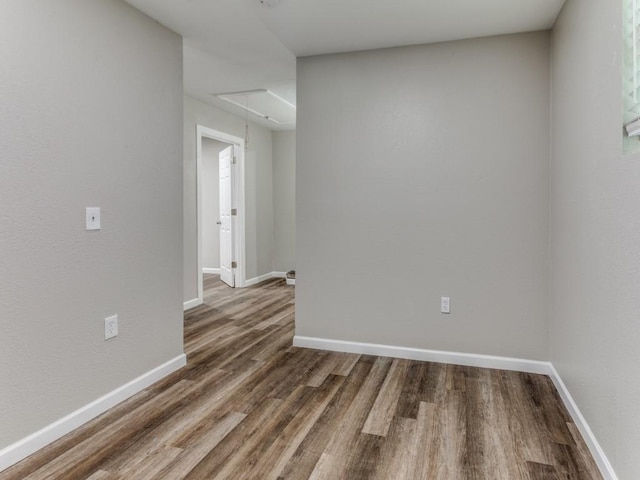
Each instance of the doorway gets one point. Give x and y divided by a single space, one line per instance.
215 200
208 141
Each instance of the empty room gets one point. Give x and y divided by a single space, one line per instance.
294 239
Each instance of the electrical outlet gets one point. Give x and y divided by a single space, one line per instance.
111 327
445 305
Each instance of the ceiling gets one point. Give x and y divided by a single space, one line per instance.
238 45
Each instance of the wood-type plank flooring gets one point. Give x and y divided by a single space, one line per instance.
250 406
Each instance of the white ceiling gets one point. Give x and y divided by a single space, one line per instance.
236 45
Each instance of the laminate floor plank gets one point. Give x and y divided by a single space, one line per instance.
308 454
102 475
507 439
363 458
204 417
335 364
148 466
489 450
396 453
383 410
448 451
196 451
586 462
274 341
521 418
543 395
249 405
269 452
54 450
280 317
345 363
86 456
426 433
418 388
226 450
341 447
541 471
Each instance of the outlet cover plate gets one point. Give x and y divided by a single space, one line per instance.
110 327
445 305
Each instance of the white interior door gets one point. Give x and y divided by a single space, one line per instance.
226 230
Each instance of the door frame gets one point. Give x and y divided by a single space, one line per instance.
237 202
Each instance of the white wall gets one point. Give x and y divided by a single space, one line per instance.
422 172
284 200
211 202
595 231
90 115
258 191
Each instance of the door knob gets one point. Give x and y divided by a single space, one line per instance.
219 223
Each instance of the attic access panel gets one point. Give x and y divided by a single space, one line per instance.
263 103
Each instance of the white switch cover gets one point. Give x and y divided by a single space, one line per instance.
111 327
93 218
445 305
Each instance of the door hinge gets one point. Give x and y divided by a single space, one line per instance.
234 265
234 211
234 160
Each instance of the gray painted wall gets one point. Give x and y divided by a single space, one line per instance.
422 172
284 200
90 115
211 202
595 252
258 191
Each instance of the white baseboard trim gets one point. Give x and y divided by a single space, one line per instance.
192 303
467 359
255 280
594 447
473 360
34 442
215 271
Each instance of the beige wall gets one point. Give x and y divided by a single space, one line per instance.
258 191
423 172
595 231
284 200
90 115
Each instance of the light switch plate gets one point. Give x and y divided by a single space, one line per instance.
93 218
